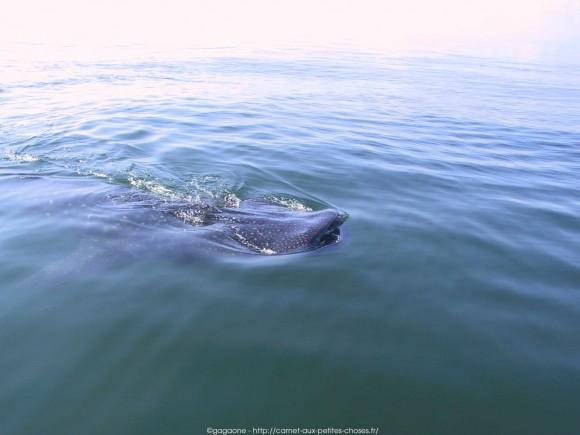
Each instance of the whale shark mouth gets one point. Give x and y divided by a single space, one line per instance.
331 234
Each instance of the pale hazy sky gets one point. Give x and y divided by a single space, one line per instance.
518 28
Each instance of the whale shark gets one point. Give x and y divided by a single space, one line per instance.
131 221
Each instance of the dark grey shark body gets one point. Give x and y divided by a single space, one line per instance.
135 223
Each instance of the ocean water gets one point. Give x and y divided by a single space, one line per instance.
450 305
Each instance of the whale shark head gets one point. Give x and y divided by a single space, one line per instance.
274 230
295 232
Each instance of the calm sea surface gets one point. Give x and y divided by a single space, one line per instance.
451 305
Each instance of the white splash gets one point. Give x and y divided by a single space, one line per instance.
20 157
231 200
155 187
291 203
